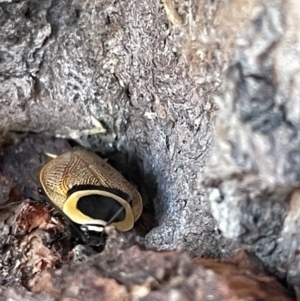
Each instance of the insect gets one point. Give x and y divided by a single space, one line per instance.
90 192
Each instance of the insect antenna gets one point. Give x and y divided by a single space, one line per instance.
112 219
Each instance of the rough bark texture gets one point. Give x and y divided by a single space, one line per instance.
125 272
160 76
62 62
253 172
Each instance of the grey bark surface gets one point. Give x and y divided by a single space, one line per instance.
123 65
253 173
164 94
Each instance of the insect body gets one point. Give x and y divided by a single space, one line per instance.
90 192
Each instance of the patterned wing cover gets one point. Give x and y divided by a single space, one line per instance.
81 167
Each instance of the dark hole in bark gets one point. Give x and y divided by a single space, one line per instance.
22 162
